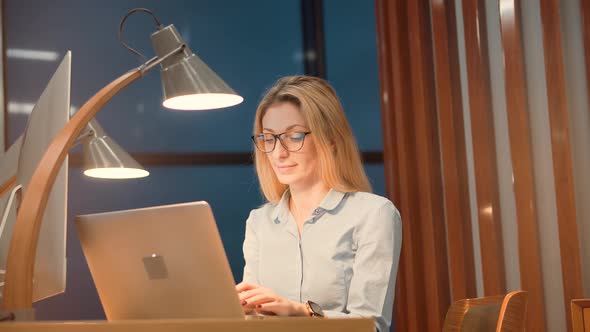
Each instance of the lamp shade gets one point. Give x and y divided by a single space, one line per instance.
104 158
188 83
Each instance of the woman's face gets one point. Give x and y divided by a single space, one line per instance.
293 168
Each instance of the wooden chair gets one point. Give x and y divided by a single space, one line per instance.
581 315
492 313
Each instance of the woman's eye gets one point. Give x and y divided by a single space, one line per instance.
269 140
295 137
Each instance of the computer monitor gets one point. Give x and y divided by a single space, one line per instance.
8 167
49 115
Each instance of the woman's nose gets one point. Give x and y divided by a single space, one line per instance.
280 151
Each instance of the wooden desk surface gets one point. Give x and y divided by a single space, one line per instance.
287 324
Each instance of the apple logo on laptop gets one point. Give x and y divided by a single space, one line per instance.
155 267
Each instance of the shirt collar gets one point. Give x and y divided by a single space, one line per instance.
329 203
332 200
281 211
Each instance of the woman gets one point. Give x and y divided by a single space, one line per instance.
323 245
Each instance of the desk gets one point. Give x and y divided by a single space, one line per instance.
287 324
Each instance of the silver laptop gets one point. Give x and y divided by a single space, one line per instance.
159 262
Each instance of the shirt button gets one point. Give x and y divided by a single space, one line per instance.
317 211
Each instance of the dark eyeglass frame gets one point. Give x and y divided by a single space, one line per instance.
279 137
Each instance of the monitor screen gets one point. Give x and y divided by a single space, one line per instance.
47 118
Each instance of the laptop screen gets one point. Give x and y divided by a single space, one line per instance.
159 262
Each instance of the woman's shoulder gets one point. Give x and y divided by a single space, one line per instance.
266 211
376 211
363 203
368 200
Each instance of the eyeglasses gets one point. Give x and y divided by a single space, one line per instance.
292 141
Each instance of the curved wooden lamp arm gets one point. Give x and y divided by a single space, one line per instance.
18 287
8 185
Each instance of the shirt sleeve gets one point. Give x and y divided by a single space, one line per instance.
378 245
250 249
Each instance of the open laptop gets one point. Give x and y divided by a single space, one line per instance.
159 262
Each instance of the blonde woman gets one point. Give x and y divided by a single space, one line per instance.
323 245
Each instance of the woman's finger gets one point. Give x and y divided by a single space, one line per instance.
274 307
261 298
245 295
244 286
247 309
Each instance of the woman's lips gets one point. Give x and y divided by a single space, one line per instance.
285 168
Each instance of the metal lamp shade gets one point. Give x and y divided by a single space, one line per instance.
104 158
187 82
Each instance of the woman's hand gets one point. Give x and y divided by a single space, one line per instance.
264 301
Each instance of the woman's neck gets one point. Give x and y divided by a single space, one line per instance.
305 199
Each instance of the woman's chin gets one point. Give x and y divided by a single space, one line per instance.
285 182
286 179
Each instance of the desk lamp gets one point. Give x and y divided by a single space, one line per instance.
188 84
105 159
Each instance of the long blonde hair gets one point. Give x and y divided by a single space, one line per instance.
340 165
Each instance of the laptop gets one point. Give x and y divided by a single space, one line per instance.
159 262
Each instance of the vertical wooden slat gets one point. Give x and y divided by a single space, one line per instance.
561 152
585 13
484 147
531 277
410 123
386 93
393 44
384 10
428 167
452 135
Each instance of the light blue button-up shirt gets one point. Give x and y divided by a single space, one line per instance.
345 259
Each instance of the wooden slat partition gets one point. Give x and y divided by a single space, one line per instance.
399 159
562 154
517 108
452 136
484 147
412 156
428 165
403 298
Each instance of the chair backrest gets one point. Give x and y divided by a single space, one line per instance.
513 312
581 315
488 314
